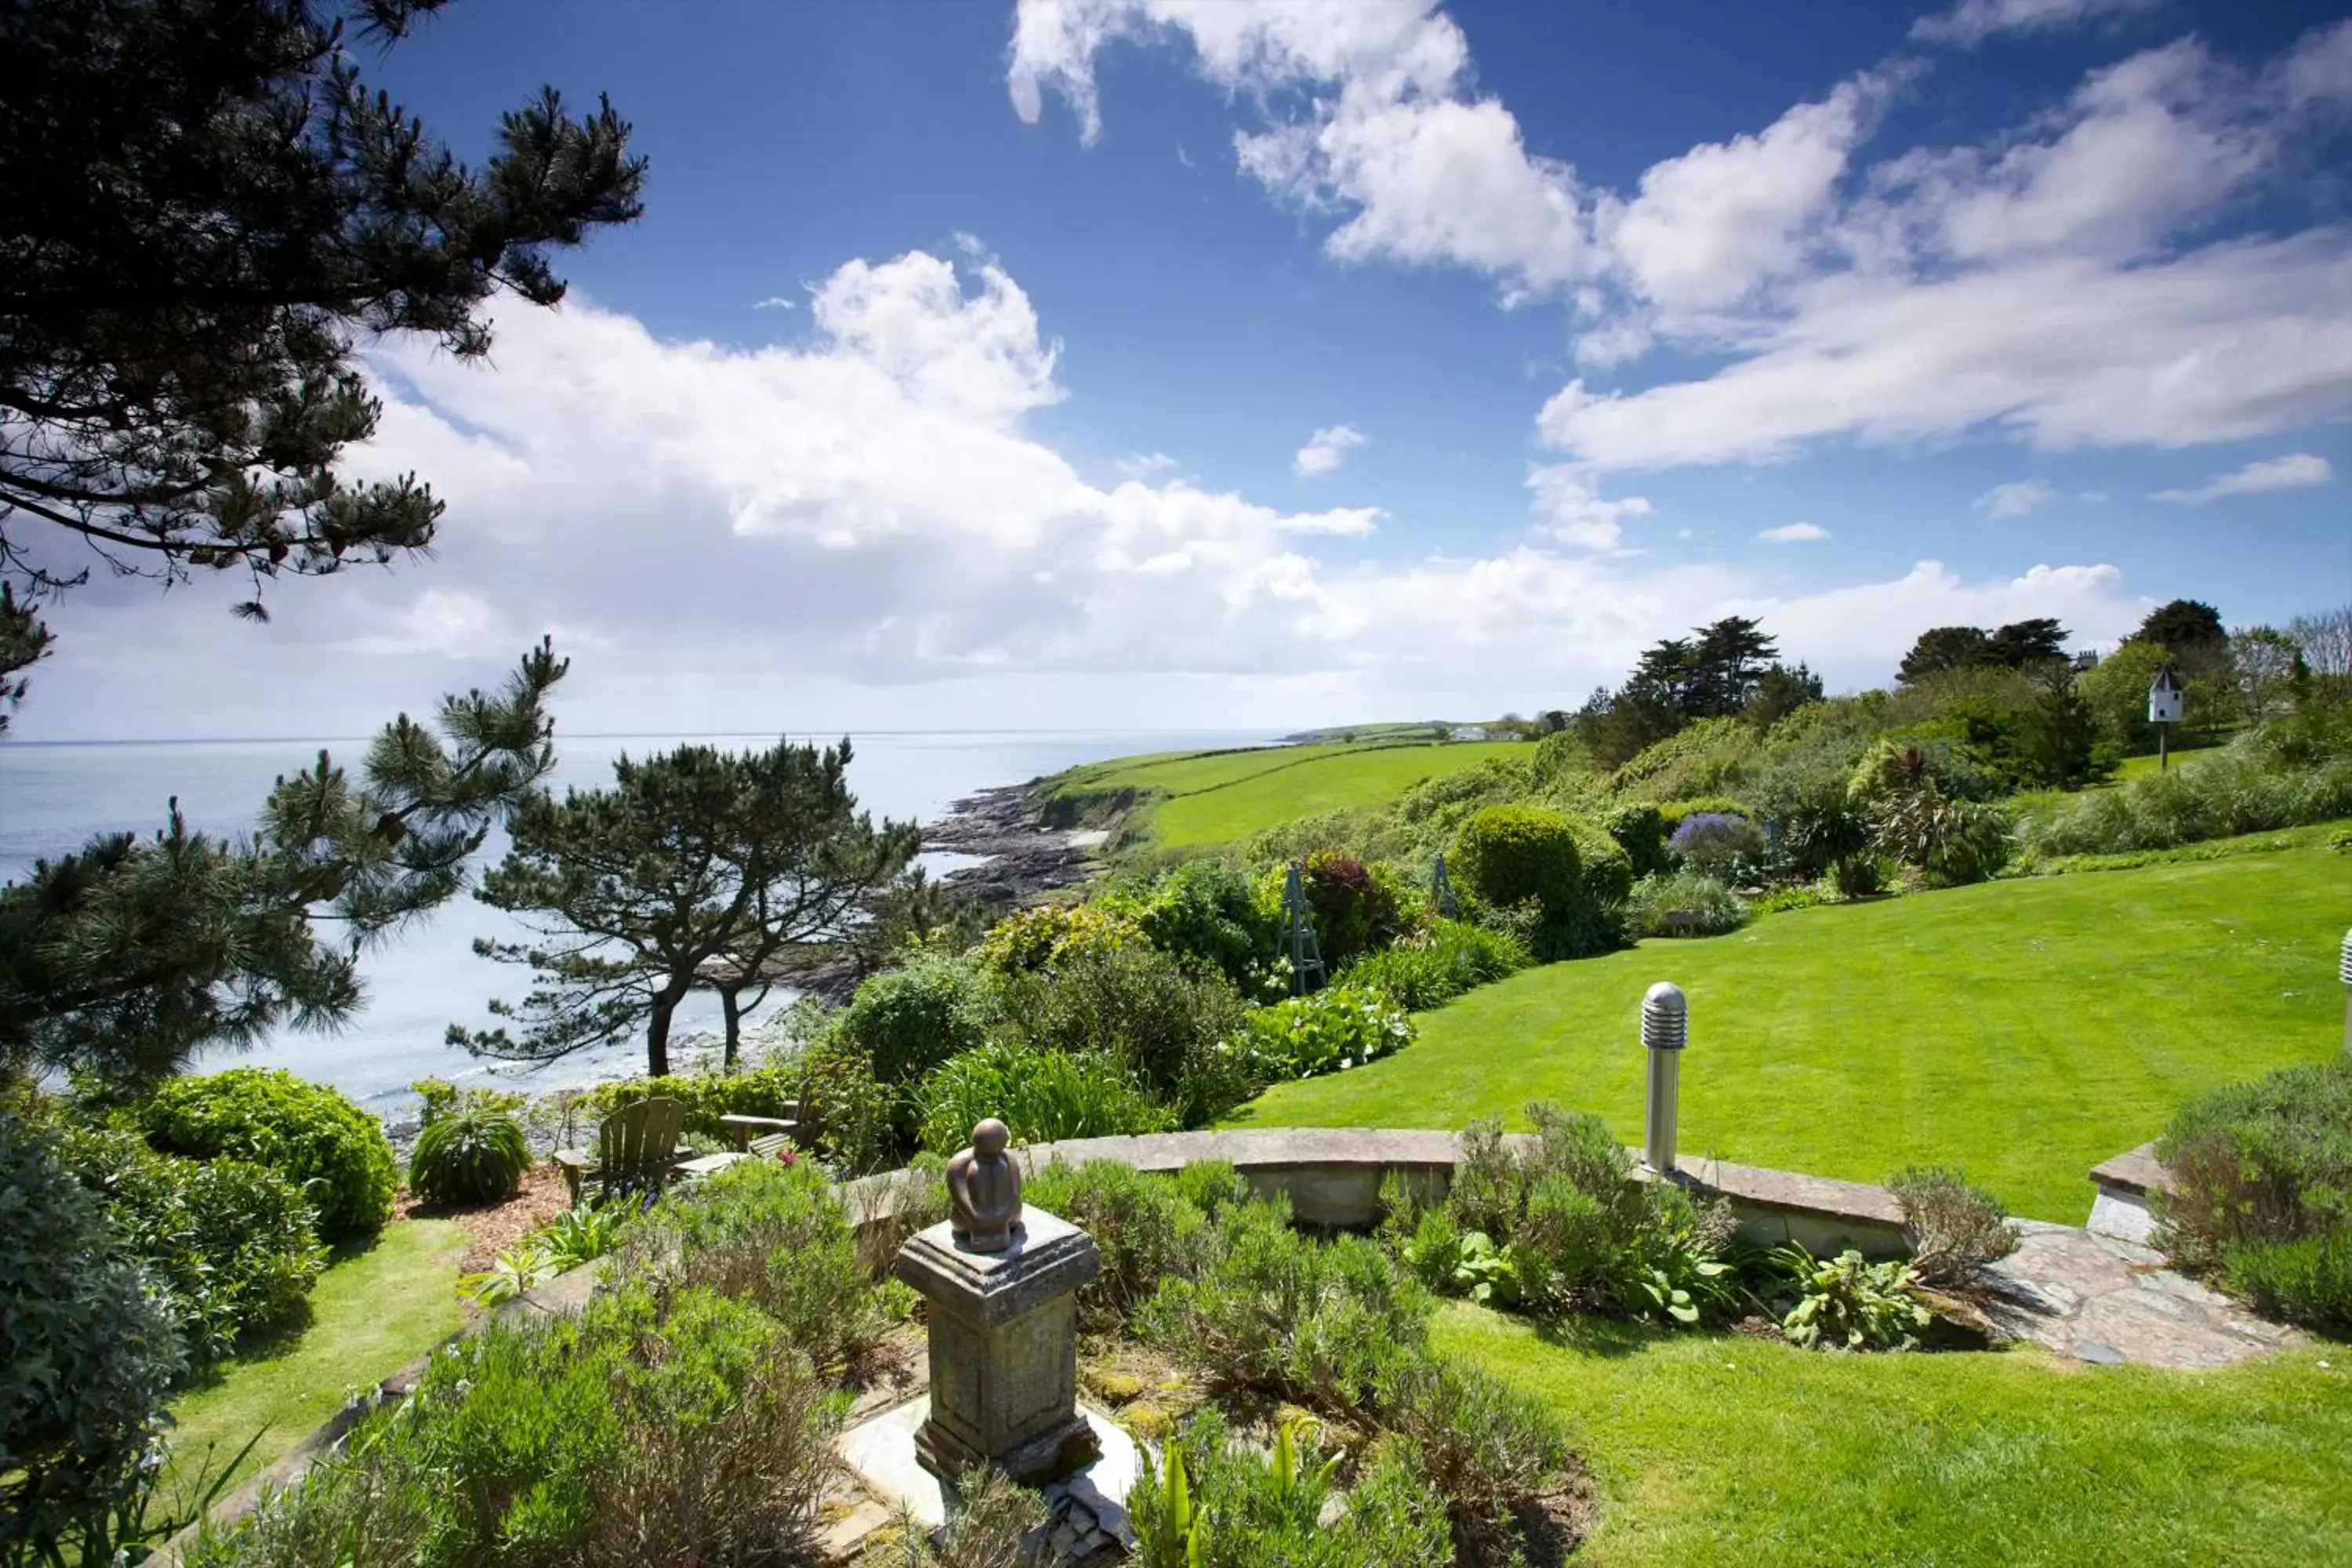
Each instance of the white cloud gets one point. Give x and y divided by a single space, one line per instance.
1143 465
1972 22
1573 510
1327 448
862 529
776 302
1794 533
2295 471
2015 499
2060 285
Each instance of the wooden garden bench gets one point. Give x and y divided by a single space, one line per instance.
763 1136
638 1145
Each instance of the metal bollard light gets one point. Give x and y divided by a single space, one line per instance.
2344 972
1666 1029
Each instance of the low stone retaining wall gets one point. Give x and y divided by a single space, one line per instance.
1332 1176
2124 1184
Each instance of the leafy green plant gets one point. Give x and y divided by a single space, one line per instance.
905 1021
1954 1228
89 1351
437 1097
768 1088
314 1136
1432 967
1162 1020
582 1235
470 1154
1847 1303
775 1238
1042 1095
2307 1280
1509 854
232 1249
1684 903
517 1269
1331 1030
1214 1504
1487 1449
1147 1228
1298 1318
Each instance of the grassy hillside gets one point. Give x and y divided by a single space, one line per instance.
1220 798
2022 1030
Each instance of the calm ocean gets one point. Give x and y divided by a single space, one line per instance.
54 797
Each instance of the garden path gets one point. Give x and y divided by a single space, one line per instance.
2111 1300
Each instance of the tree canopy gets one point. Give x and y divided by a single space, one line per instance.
695 870
2020 645
127 958
205 213
2184 627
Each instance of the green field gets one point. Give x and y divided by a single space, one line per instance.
373 1313
2021 1030
1223 797
1716 1448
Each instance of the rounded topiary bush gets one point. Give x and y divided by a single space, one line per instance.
474 1154
907 1020
1509 854
314 1136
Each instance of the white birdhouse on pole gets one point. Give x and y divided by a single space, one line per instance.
2166 698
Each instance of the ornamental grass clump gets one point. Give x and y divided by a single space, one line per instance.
1042 1096
470 1156
1684 903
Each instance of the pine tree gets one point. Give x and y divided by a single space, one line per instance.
203 212
694 871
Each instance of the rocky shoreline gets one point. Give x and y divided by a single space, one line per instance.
1020 860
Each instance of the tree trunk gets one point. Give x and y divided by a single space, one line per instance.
729 1004
657 1035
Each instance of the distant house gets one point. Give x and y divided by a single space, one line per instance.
2084 661
1468 732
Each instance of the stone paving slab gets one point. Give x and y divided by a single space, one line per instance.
2107 1300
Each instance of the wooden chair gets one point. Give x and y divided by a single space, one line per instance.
764 1136
636 1146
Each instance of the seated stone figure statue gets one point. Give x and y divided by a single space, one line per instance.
986 1190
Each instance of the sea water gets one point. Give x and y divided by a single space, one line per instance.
55 796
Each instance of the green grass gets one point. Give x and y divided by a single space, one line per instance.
1712 1448
1223 797
2021 1030
371 1313
2141 767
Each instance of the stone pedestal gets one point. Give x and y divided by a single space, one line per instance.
1004 1349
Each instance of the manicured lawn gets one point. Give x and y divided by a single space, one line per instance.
371 1313
1223 797
2021 1030
1716 1448
2138 767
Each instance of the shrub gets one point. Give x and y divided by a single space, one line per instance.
1954 842
311 1135
1673 812
232 1249
1440 964
2258 1163
1031 940
1709 907
1164 1021
89 1351
2308 1280
1044 1096
1206 910
905 1021
667 1432
1718 844
1288 1316
1331 1030
471 1155
1954 1228
1701 758
852 1116
1639 830
2250 788
1848 1304
1148 1228
1354 913
1509 854
774 1237
1485 1448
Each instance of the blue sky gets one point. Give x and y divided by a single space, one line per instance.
970 363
